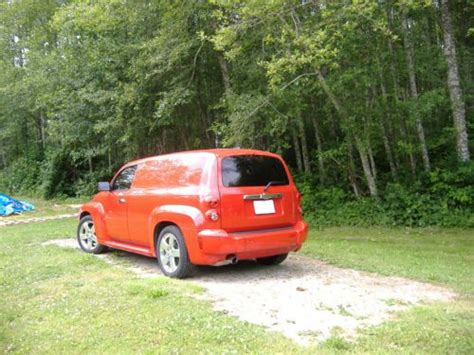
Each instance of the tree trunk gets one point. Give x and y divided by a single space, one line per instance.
360 147
454 84
296 146
304 145
42 127
367 123
227 88
406 138
414 91
373 168
351 168
388 150
330 94
366 167
385 140
319 147
393 70
224 72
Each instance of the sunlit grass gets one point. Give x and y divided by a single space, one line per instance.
56 300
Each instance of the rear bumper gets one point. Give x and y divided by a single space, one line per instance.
217 244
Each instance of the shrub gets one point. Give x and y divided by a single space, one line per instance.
21 177
441 198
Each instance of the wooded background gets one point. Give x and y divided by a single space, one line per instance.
370 102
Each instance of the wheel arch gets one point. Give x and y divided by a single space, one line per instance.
186 218
159 227
84 214
96 211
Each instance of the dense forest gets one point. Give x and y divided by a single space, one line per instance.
370 102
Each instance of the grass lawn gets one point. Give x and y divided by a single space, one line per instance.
440 256
56 300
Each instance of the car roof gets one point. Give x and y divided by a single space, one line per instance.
219 152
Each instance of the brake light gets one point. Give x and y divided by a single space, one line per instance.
211 204
211 201
298 203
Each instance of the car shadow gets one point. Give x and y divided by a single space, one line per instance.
296 266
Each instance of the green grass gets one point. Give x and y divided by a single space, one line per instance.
56 300
440 256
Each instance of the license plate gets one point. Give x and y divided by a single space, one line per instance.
264 206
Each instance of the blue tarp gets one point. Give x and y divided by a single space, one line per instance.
9 205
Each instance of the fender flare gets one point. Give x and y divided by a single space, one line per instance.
96 211
187 218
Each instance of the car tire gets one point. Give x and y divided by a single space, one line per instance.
172 254
87 238
272 260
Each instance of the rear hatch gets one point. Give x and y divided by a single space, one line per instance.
255 193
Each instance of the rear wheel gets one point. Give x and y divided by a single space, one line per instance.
87 238
172 253
272 260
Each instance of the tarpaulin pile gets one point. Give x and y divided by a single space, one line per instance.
9 205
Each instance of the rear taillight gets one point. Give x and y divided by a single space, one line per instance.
211 206
298 203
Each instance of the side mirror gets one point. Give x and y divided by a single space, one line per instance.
103 186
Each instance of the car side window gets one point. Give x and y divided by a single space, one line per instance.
124 179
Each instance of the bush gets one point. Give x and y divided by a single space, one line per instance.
57 175
21 177
442 198
334 206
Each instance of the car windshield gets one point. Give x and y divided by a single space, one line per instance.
253 170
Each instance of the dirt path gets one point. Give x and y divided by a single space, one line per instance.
13 222
305 299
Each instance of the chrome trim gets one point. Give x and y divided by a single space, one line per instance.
265 230
262 196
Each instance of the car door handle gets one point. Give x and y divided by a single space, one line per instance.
121 200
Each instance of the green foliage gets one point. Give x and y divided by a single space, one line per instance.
445 198
56 178
335 207
22 176
86 86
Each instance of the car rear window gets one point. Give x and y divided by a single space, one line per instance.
252 170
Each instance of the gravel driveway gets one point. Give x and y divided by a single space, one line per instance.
305 299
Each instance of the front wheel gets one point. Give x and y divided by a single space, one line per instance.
272 260
87 238
172 254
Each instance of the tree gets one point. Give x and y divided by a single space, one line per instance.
352 94
454 84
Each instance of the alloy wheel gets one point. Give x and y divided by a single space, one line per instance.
169 252
87 236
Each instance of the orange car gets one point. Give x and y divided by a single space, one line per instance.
207 207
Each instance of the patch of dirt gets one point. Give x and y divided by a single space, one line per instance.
36 219
305 299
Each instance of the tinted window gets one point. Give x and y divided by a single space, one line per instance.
252 170
124 180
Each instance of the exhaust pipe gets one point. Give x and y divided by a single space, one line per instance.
231 260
